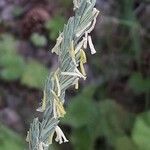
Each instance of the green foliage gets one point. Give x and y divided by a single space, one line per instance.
141 131
17 11
12 64
10 140
114 121
79 116
82 139
125 143
66 3
128 15
14 67
34 75
38 40
91 120
138 83
7 44
55 25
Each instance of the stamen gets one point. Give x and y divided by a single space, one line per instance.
82 69
39 109
76 82
72 53
58 108
58 85
92 26
51 138
85 41
83 56
95 12
27 138
70 74
43 107
80 74
79 46
82 61
60 136
44 101
58 42
54 110
93 51
76 5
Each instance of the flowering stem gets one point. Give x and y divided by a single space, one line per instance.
70 46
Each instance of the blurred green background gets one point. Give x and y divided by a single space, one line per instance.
111 109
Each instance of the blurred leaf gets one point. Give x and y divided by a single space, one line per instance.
12 65
114 121
141 131
81 139
128 18
88 92
17 11
81 109
138 83
10 140
7 45
79 112
66 3
38 40
34 75
126 7
55 25
129 23
125 143
97 119
53 147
